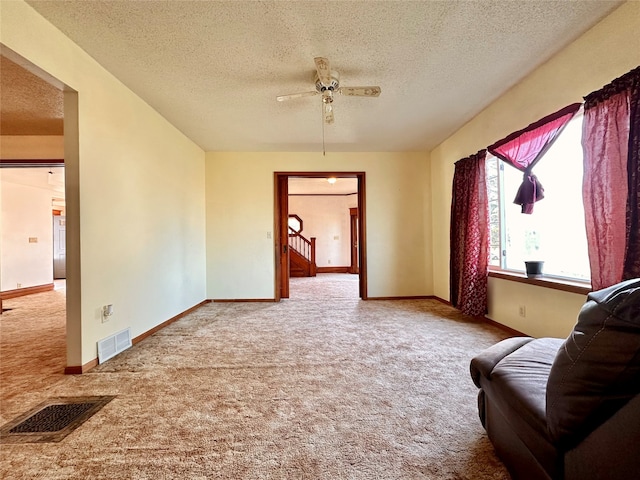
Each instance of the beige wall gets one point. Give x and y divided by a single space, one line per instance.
608 50
240 214
135 195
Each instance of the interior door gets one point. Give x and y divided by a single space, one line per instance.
59 247
282 236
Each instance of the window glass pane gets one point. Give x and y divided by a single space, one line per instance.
555 232
493 195
294 223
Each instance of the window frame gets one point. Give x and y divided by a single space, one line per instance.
547 281
558 282
291 229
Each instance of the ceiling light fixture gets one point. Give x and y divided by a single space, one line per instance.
331 180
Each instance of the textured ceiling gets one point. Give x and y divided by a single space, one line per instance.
28 104
214 68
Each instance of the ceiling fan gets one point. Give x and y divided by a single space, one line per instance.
327 83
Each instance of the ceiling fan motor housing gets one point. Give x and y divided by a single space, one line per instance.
327 83
333 85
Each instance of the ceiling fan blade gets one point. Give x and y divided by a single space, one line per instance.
327 113
360 91
324 70
282 98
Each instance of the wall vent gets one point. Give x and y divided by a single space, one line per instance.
113 345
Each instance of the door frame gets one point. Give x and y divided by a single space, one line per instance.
282 236
353 240
281 240
71 164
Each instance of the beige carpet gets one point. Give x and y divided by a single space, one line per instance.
32 346
320 386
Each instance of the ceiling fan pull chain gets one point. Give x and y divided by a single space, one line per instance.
324 153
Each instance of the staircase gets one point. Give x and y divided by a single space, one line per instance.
302 255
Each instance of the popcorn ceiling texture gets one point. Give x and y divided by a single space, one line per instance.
29 105
214 68
320 386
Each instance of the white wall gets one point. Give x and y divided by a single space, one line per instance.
608 50
26 213
326 217
135 195
240 214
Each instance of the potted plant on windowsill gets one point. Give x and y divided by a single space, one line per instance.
534 268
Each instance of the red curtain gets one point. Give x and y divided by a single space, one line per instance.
524 148
605 134
469 236
632 252
611 184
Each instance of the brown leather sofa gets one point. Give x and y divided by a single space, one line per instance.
568 409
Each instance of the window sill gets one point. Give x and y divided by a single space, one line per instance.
582 288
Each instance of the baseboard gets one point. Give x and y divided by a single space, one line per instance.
509 330
484 318
411 297
21 292
442 300
332 269
79 369
233 300
148 333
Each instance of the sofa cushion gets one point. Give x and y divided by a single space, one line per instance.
520 381
597 369
482 364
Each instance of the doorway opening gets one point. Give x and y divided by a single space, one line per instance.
345 246
39 134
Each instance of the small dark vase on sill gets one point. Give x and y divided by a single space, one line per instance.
534 268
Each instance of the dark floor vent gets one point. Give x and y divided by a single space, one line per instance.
52 420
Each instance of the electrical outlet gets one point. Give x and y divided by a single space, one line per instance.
107 311
522 310
19 285
329 262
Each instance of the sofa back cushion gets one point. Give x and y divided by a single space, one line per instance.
597 369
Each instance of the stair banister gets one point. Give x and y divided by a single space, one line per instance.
306 248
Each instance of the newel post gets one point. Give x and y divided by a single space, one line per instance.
312 268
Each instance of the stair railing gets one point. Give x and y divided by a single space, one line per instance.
305 247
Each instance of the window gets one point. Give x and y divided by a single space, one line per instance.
295 224
555 231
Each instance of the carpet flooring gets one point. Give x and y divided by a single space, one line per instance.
319 386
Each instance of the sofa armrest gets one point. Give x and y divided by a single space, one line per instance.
610 450
483 363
